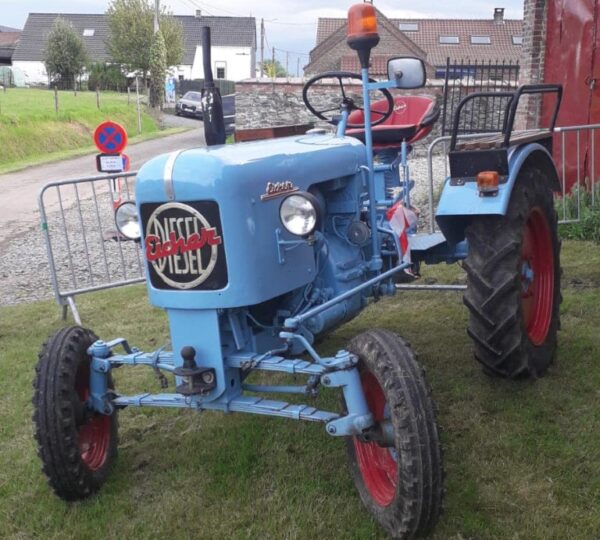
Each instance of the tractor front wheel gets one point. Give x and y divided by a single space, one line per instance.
401 485
77 446
513 288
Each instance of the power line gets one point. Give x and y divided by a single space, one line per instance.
292 52
215 7
196 6
275 21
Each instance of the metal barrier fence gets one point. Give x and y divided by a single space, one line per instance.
85 252
577 171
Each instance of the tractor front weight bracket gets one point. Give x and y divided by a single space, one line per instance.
339 371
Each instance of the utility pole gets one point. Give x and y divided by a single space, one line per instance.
262 48
298 68
287 63
273 65
156 15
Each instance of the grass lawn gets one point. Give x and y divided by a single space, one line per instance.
522 459
30 128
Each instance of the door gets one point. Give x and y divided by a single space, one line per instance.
572 60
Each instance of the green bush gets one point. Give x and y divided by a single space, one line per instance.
584 210
106 77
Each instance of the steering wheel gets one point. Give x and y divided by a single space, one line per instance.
347 101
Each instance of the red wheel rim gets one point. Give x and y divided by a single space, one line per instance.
537 276
378 466
94 432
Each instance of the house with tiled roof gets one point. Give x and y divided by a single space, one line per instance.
9 37
463 41
233 44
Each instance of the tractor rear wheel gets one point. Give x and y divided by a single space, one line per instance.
513 292
401 486
77 446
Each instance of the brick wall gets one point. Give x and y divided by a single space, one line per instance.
330 60
533 58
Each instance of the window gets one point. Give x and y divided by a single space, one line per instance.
517 40
221 71
89 32
449 40
409 27
480 40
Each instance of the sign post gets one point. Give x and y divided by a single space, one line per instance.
111 139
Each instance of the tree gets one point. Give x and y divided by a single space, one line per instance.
274 69
65 56
131 35
103 76
158 70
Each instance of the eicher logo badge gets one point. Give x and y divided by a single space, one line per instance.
278 189
183 244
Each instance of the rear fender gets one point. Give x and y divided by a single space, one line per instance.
460 204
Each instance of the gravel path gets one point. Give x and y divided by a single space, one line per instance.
24 271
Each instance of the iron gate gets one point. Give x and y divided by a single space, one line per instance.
465 77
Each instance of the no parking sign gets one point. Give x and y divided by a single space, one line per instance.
110 137
111 140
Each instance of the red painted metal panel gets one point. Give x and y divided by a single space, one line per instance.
570 60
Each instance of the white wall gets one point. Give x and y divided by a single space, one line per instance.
34 72
182 70
236 60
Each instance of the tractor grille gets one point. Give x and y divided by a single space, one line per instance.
184 245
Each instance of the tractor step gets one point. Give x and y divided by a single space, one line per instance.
424 242
434 249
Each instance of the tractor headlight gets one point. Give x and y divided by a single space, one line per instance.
299 213
126 219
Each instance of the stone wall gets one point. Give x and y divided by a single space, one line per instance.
263 103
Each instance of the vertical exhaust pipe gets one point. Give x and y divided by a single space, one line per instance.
212 105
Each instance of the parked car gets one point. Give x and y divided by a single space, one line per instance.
229 113
189 105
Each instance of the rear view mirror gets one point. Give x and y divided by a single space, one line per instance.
407 72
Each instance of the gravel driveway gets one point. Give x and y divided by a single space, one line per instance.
24 271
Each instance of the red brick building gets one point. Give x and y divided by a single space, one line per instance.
433 40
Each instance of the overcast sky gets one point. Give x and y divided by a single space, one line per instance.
290 24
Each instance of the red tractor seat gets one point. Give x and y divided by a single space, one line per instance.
412 119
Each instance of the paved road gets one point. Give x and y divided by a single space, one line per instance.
19 191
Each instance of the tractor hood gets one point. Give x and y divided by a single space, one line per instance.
212 235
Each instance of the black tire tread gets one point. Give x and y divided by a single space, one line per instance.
418 502
54 418
500 340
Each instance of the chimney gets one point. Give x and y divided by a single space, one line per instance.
198 14
499 15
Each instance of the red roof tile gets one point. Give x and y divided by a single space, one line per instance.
501 47
9 38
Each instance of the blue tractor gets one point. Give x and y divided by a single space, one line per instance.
257 250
